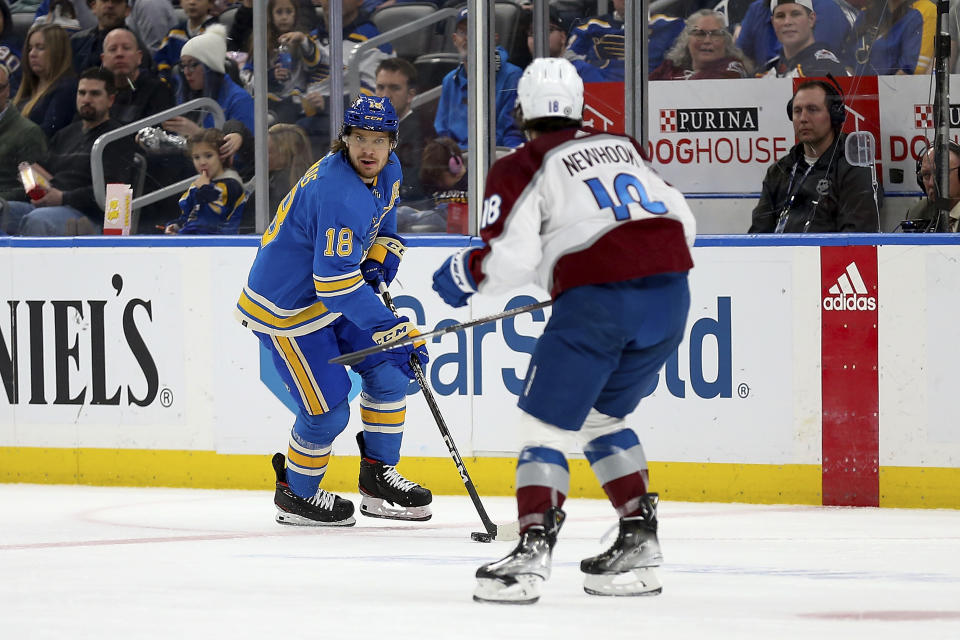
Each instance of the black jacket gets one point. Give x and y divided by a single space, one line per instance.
69 163
816 61
150 95
833 196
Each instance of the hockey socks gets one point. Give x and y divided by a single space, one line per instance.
618 461
543 481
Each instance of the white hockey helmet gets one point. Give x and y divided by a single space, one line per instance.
550 88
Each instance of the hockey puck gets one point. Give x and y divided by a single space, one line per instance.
480 536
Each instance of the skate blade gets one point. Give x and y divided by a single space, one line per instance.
526 590
380 508
636 582
293 519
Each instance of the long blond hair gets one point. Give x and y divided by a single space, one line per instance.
56 43
293 144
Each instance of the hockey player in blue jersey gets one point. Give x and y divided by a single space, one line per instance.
577 211
307 299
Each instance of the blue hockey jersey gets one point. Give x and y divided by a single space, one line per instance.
307 270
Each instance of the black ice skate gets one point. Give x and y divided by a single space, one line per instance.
516 579
625 569
387 494
322 510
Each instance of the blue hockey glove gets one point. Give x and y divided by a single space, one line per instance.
383 259
453 280
400 356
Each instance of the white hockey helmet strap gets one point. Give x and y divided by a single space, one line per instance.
550 88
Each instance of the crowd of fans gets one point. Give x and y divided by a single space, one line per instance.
158 54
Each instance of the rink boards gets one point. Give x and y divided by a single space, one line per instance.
815 373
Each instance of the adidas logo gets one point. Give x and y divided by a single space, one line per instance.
850 293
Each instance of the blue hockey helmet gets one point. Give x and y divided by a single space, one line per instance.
372 113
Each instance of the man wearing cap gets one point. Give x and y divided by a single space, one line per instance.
758 39
802 56
451 120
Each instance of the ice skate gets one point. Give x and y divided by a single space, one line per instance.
516 579
387 494
626 568
324 509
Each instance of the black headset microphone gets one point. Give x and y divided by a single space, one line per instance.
834 99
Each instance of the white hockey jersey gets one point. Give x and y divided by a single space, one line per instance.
577 207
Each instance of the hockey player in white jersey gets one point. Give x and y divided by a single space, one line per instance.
577 211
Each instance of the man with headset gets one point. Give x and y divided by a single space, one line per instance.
813 189
925 215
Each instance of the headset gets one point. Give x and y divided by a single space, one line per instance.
954 149
834 99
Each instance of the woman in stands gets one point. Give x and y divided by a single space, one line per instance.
48 90
203 75
289 157
886 40
703 50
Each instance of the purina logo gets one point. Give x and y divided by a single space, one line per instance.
849 293
923 116
708 120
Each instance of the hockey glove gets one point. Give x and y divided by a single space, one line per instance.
383 259
453 280
400 356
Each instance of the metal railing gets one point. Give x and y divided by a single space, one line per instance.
99 145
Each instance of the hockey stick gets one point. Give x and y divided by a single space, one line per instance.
493 531
356 356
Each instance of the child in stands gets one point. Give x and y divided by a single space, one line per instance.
215 201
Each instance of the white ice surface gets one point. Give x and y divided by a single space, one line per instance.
94 562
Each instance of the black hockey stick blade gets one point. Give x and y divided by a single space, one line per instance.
356 356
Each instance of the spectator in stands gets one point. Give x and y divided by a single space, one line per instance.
87 45
557 44
241 31
48 90
202 74
289 157
139 92
78 9
357 29
703 50
927 211
451 119
10 58
397 80
292 56
20 141
215 201
813 188
197 20
69 206
801 56
443 174
600 41
758 40
928 11
151 21
885 40
63 13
